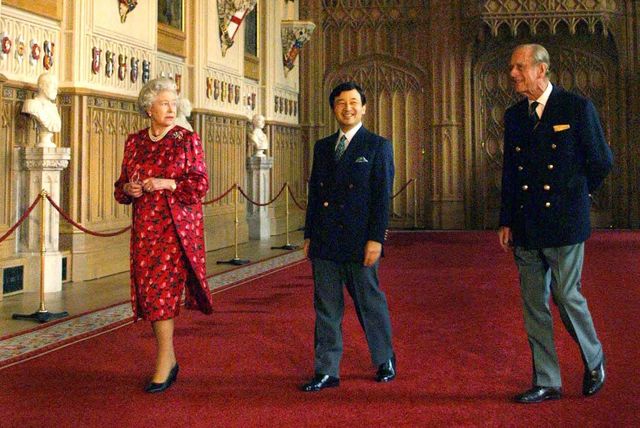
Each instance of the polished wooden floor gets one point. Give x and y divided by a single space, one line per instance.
79 297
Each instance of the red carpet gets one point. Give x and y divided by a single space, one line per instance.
462 352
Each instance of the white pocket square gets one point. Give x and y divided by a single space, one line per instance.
362 159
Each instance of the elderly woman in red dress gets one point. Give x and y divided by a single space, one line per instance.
165 178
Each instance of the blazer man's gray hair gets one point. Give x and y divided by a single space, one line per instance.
539 54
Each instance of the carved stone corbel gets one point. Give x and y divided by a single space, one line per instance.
295 34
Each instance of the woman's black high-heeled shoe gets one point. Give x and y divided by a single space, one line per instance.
159 387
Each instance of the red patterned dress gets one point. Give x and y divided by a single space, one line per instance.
167 234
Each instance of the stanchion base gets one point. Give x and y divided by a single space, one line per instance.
40 316
286 247
234 261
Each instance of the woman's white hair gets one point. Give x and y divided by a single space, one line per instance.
150 91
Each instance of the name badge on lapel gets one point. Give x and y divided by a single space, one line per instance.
362 159
559 128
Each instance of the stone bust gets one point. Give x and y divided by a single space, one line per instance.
44 110
183 112
257 137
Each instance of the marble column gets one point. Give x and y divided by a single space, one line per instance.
259 218
41 168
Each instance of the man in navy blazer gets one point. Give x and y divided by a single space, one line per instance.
347 216
555 156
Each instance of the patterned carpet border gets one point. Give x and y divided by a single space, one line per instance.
34 343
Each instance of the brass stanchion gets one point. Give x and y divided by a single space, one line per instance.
288 245
235 260
42 315
415 204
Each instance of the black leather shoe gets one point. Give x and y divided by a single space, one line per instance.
159 387
538 394
319 382
593 379
387 370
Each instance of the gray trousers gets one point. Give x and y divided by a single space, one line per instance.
328 299
555 271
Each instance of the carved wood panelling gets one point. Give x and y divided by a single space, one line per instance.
288 154
516 15
355 28
6 157
225 152
111 121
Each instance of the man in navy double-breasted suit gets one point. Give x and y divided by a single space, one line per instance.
347 215
555 156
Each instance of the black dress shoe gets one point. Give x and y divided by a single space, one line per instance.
159 387
538 394
387 370
593 379
319 382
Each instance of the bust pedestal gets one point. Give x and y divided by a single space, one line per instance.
258 218
41 167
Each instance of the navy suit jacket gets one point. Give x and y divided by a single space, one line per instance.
349 200
550 171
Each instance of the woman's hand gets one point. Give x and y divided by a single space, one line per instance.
153 184
132 189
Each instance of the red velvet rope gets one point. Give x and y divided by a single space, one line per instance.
403 187
266 203
295 200
82 228
23 218
221 196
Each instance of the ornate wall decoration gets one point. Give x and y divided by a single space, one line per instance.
146 71
209 83
5 45
122 66
230 16
95 60
126 6
285 106
20 47
134 69
47 60
360 14
25 39
549 14
295 34
108 68
35 52
178 79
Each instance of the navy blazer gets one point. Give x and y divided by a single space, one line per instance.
550 171
349 200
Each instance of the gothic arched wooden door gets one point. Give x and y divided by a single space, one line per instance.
395 110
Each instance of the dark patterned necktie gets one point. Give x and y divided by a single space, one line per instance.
533 114
340 147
